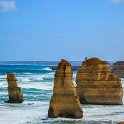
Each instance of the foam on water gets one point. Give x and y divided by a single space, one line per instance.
37 85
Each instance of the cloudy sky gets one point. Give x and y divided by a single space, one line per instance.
55 29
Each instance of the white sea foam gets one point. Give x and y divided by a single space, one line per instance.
35 77
22 113
47 68
2 76
37 85
23 79
3 84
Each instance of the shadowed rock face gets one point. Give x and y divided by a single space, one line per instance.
64 101
14 91
98 84
121 122
118 68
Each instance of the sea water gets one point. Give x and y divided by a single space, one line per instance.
36 80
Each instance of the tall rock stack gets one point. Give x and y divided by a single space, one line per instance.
98 84
15 95
64 101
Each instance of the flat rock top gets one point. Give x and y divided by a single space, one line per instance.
94 60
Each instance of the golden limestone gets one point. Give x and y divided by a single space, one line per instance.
14 91
64 101
98 84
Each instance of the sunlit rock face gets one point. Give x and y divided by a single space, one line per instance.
98 84
15 95
64 101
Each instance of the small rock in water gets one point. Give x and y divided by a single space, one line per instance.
30 103
15 95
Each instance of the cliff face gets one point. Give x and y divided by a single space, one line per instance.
118 68
98 84
14 91
121 122
64 101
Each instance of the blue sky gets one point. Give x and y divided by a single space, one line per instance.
55 29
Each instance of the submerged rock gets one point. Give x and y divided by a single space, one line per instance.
15 95
64 101
98 84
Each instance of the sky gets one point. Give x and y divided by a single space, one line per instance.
43 30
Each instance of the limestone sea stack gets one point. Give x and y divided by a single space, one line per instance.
98 84
15 95
64 101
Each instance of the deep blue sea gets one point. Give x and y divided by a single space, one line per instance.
36 80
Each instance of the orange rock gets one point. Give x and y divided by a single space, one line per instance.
98 84
14 91
121 122
64 101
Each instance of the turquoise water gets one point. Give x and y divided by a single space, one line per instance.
36 81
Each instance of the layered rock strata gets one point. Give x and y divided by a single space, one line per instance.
118 68
98 84
64 101
15 95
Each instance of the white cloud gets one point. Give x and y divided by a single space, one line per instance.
7 5
117 1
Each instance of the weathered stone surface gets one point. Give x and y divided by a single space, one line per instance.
64 101
121 122
14 91
118 68
98 84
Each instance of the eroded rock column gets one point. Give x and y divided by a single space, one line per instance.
15 95
64 101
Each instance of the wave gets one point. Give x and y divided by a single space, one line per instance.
25 69
37 85
47 68
3 84
24 79
2 76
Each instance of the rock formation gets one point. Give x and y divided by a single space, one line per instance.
118 68
14 91
121 122
98 84
64 101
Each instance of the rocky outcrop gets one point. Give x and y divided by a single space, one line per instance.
118 68
98 84
15 95
121 122
64 101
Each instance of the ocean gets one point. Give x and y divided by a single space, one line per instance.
36 80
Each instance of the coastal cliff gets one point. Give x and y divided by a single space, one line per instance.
64 101
98 84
